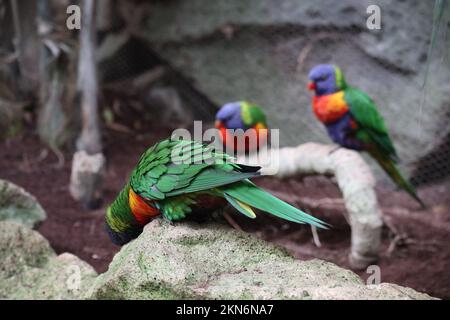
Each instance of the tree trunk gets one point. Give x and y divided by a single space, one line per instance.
26 42
88 162
104 17
90 139
56 117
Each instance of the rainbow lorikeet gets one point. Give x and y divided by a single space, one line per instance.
177 178
245 116
352 121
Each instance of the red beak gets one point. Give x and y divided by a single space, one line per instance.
218 124
311 86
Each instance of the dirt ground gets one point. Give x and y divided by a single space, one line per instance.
420 260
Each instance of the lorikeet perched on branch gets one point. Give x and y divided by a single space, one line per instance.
352 121
244 116
177 178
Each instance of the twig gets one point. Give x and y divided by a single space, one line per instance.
231 221
150 77
315 236
10 58
60 156
303 55
399 239
119 127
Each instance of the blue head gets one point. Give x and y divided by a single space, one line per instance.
229 116
326 79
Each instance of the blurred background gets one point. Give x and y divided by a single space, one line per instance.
133 71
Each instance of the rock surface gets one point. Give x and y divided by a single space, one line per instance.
19 206
214 262
30 269
262 50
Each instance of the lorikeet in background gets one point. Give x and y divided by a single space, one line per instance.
241 115
352 121
177 178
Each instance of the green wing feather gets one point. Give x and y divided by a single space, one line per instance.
372 131
169 174
170 167
211 178
176 208
172 170
252 114
249 194
371 124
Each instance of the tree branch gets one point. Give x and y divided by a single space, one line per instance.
354 179
90 139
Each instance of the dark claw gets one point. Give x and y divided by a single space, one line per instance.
334 150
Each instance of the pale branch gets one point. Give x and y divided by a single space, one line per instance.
231 221
88 163
354 179
316 236
90 138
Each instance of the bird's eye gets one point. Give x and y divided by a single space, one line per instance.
322 78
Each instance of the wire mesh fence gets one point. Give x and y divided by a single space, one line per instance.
262 51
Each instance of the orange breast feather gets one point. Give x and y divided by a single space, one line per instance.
231 140
142 211
329 108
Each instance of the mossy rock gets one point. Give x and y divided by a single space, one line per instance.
19 206
211 261
30 269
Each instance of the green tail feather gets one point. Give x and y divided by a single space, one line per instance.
394 173
249 194
239 207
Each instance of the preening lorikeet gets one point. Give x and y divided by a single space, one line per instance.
352 121
242 115
177 178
